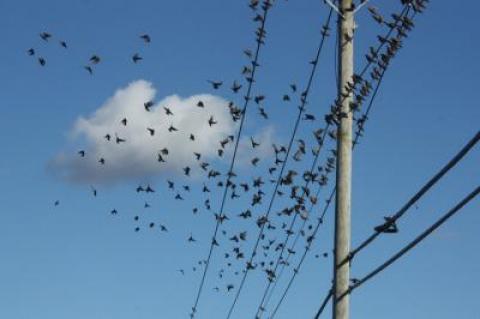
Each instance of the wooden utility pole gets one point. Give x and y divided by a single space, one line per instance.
341 278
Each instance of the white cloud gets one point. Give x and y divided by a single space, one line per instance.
137 157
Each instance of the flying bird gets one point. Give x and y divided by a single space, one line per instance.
95 59
236 87
215 84
254 144
45 36
136 58
211 121
309 117
148 105
146 38
119 140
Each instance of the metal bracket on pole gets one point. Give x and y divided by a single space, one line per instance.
334 7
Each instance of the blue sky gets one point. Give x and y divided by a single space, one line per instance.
76 261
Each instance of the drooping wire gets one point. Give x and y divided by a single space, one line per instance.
303 102
414 242
425 188
304 255
404 12
312 169
266 7
324 304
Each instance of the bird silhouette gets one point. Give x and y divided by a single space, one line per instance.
211 121
89 69
146 38
215 84
45 36
95 59
136 58
148 105
236 87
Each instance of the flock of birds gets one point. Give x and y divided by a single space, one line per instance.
296 188
94 59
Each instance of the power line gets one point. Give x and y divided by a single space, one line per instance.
391 220
314 164
302 259
319 222
474 140
266 6
468 147
358 134
304 96
324 304
404 250
415 242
